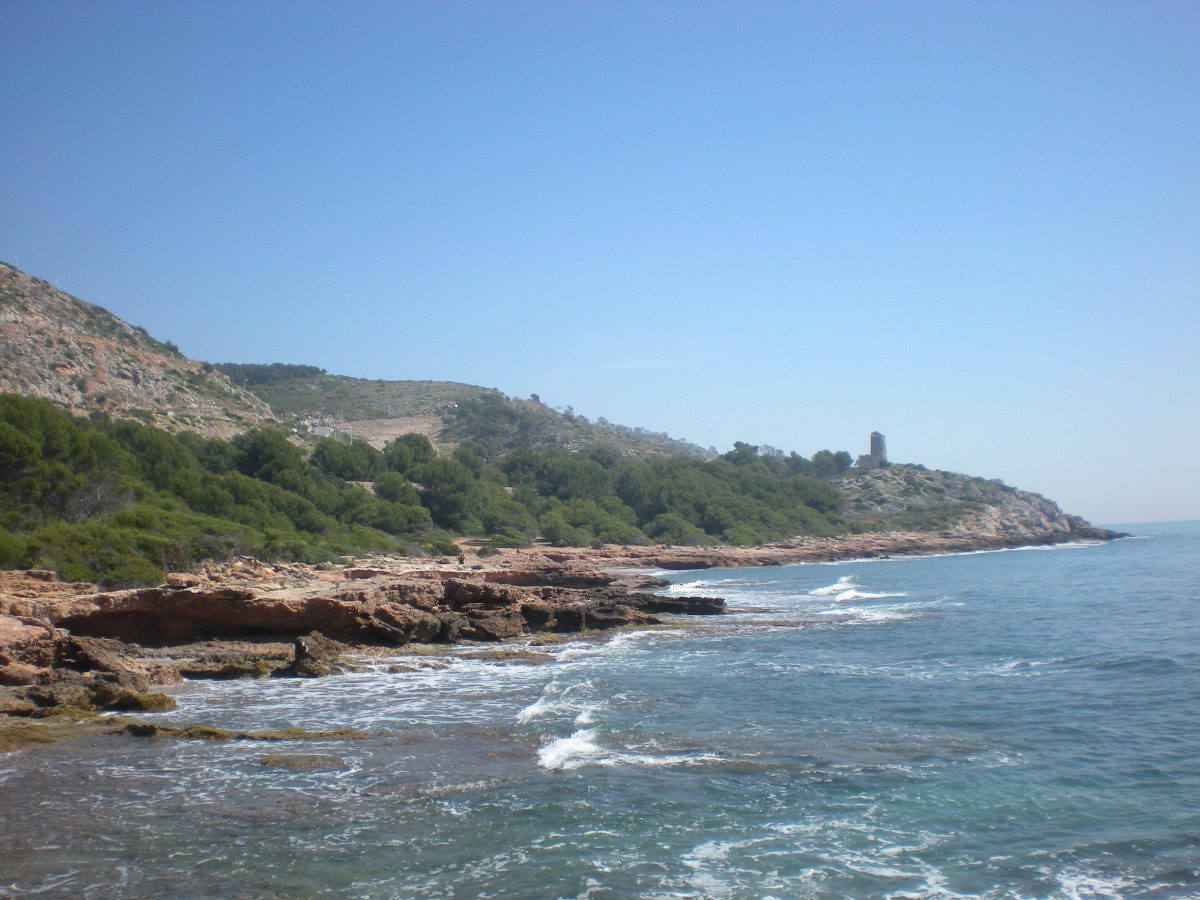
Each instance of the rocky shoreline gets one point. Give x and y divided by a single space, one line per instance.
69 647
69 651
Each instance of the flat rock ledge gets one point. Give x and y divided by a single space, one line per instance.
69 647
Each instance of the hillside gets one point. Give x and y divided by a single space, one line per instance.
448 413
913 498
84 358
98 495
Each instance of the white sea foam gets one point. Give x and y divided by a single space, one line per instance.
711 850
542 706
1085 886
582 748
855 594
847 588
570 752
556 700
868 615
845 583
619 645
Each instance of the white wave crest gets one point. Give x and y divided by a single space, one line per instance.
570 752
538 708
855 594
867 616
845 583
582 749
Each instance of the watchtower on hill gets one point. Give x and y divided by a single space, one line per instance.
878 455
878 447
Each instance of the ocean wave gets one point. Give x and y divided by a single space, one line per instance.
542 706
855 594
557 700
848 588
582 749
845 583
1076 885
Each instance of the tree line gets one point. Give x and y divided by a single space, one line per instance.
121 502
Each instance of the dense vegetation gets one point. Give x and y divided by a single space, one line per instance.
122 502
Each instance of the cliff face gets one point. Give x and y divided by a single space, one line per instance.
57 347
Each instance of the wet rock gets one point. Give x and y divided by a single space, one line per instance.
679 606
115 696
302 762
208 733
316 655
14 703
228 659
108 655
451 626
67 690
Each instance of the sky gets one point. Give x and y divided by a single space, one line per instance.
971 226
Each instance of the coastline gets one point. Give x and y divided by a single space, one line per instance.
70 652
867 545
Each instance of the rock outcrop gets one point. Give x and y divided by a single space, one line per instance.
60 348
908 497
67 645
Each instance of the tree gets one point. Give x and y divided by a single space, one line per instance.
408 452
349 460
450 493
395 488
826 464
266 454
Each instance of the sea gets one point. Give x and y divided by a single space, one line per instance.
1012 724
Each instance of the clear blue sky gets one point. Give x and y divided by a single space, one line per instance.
972 226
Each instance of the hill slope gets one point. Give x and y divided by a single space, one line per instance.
519 469
448 413
913 498
81 356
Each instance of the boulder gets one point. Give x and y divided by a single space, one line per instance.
494 627
316 655
402 624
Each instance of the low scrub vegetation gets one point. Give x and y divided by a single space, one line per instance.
122 502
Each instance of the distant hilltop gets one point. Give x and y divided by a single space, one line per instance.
84 358
448 413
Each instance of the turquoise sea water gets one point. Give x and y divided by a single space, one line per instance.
1016 724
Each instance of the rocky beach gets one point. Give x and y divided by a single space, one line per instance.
69 650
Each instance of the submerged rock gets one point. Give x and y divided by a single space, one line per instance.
208 733
302 762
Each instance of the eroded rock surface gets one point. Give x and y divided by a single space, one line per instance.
72 646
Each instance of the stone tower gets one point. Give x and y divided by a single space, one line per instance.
878 447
